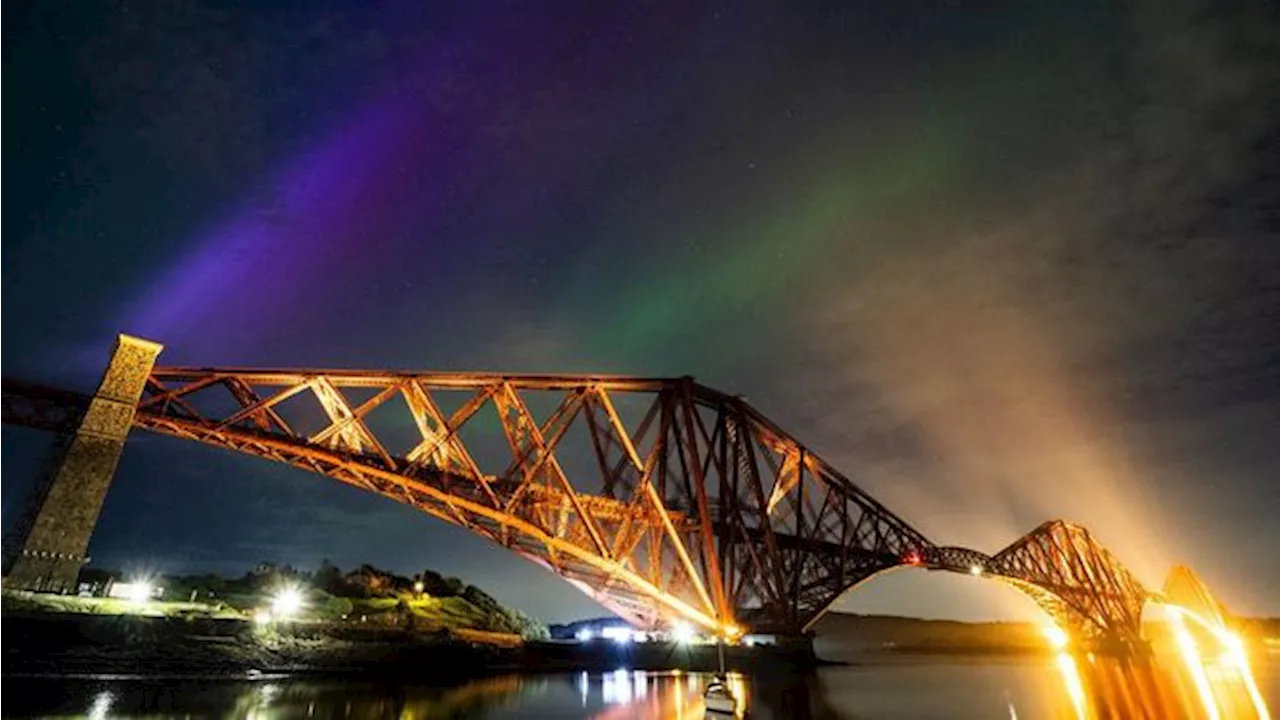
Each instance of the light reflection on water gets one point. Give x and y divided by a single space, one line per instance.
1076 688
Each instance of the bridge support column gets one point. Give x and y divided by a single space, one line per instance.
52 536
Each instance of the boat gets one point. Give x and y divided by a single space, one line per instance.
719 699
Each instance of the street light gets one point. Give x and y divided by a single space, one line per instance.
139 591
682 632
620 635
286 602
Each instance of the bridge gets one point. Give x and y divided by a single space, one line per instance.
663 499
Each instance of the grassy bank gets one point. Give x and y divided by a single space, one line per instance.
80 643
409 611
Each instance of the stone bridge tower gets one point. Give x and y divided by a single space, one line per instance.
49 543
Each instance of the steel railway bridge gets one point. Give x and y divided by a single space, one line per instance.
661 498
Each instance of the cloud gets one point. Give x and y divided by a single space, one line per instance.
1015 364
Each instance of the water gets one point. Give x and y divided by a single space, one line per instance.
960 688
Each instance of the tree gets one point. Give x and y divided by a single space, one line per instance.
329 578
529 628
481 599
435 584
453 587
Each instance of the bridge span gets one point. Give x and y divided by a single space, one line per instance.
661 498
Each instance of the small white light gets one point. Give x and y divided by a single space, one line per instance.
584 635
682 632
975 570
286 602
419 586
139 591
620 635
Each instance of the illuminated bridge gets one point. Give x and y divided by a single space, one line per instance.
662 499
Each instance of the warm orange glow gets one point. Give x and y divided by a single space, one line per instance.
1057 637
984 376
1233 657
680 695
1075 688
1191 658
738 688
1240 660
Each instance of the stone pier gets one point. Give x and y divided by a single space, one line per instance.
52 536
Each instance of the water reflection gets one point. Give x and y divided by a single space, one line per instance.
1069 687
1208 658
1200 686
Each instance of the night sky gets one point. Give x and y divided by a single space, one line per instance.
998 263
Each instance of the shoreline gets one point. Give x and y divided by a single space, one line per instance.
73 645
70 645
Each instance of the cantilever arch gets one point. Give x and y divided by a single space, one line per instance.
52 537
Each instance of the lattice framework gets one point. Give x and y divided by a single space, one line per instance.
679 502
698 507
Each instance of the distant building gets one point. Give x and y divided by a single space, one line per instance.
94 582
136 591
586 630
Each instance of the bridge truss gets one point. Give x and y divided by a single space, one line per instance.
661 498
676 500
1085 589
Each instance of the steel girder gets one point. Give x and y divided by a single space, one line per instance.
953 558
1093 593
1184 589
1069 574
690 504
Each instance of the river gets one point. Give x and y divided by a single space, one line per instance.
930 688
